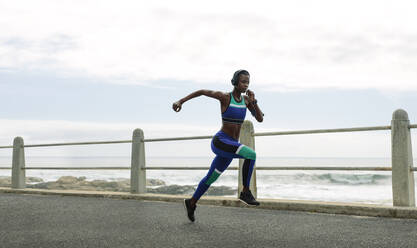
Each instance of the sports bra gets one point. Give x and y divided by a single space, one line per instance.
235 112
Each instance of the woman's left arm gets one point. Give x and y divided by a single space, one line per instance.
253 107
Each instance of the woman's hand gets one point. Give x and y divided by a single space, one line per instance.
251 96
176 106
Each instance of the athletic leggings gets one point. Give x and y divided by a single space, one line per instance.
226 148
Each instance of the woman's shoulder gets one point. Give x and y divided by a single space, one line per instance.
222 93
226 95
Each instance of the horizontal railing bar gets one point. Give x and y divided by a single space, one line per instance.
339 130
81 143
179 138
206 168
182 168
76 168
328 168
277 168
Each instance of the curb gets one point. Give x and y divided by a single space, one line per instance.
273 204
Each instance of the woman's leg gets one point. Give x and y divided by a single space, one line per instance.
229 147
250 157
218 166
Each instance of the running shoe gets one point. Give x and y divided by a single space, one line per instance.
248 198
189 210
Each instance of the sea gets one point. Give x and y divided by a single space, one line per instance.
371 187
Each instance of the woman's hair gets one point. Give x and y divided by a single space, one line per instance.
235 79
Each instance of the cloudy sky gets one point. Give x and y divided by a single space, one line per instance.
96 70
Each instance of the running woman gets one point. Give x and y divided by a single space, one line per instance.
225 143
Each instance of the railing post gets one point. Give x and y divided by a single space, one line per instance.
137 172
247 138
18 163
402 160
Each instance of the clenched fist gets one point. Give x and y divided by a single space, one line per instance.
176 106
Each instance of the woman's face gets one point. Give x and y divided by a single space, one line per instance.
243 84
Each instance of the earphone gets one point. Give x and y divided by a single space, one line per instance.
235 79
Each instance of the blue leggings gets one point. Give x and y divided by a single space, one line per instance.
226 149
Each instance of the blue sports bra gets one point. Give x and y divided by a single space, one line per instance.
235 112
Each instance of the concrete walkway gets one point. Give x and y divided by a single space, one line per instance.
71 221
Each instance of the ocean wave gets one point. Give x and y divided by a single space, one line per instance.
352 179
329 178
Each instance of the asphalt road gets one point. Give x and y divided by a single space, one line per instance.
67 221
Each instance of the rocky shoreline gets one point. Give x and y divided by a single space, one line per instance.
155 186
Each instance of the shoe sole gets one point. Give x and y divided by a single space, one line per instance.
247 204
186 210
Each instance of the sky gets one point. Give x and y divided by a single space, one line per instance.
96 70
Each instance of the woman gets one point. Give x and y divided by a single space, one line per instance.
225 143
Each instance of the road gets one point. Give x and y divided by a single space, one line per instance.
69 221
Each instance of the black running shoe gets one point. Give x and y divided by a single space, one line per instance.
189 210
248 198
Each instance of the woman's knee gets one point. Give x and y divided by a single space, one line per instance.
247 152
252 155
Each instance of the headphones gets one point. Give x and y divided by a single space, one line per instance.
235 79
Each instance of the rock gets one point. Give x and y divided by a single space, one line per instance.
154 182
70 180
34 180
7 181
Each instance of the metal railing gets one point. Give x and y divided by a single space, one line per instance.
402 168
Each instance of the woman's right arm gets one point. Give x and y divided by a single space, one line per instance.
213 94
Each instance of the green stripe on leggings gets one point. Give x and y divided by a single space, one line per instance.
213 177
247 153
